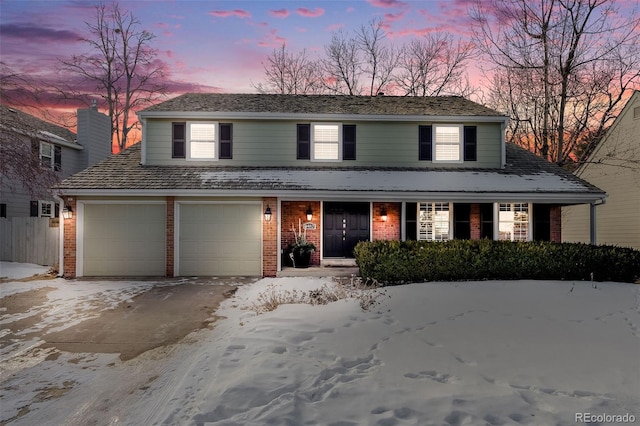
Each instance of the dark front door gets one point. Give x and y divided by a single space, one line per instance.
344 225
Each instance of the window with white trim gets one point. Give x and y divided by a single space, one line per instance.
434 221
326 141
447 140
202 140
513 221
46 209
46 155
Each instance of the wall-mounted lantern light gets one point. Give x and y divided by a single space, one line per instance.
67 212
383 214
309 214
267 214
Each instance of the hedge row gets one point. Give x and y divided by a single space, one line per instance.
396 262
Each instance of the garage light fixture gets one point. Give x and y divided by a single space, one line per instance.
267 214
67 212
309 214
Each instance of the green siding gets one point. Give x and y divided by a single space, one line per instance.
264 143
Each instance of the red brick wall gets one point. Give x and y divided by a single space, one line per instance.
475 222
170 228
556 224
70 240
389 230
270 250
291 212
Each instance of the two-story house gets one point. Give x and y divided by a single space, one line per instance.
59 149
219 181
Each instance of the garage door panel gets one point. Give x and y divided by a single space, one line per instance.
220 239
124 239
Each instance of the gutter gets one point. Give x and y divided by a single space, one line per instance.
593 219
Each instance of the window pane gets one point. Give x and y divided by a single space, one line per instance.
433 222
513 221
203 132
325 133
447 135
447 152
203 149
325 151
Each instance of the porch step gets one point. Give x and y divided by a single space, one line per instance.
338 262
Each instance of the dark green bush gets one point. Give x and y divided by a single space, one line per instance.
396 262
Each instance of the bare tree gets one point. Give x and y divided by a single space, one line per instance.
378 59
120 65
435 65
341 66
568 65
290 73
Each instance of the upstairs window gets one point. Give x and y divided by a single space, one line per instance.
202 140
43 208
326 141
447 143
46 155
513 221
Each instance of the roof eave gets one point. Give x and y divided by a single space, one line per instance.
230 115
564 198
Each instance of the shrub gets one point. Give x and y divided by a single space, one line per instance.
396 262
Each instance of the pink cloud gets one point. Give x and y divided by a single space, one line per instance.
226 13
280 13
308 13
387 4
393 17
351 9
272 39
418 32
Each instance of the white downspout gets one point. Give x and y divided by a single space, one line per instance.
592 221
61 237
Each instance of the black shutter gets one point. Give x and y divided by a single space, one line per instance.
424 143
57 158
470 143
3 210
462 221
34 208
411 221
304 142
56 210
178 140
486 220
226 140
349 142
542 222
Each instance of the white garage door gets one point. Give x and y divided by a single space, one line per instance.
220 239
124 240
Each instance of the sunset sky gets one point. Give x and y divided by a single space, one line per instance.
215 45
221 46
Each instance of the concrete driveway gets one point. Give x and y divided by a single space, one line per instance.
162 315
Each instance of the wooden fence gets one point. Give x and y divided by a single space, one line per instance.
29 240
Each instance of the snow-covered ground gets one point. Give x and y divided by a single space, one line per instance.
15 270
494 353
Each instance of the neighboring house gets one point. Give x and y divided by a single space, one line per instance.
615 167
59 149
193 197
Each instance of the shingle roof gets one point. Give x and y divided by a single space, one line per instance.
525 173
323 104
15 119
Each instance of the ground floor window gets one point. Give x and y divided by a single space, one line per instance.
434 221
513 221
